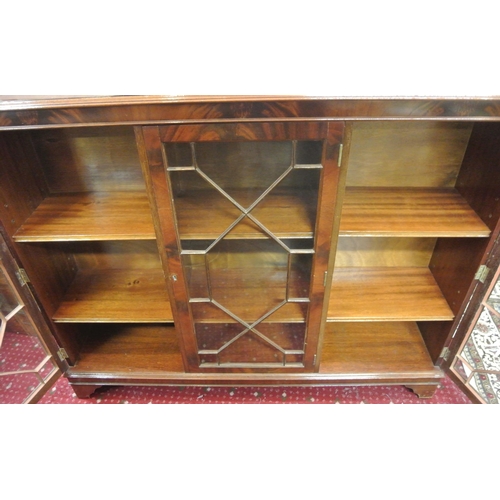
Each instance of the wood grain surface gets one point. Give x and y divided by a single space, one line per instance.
90 216
409 212
116 296
386 294
376 348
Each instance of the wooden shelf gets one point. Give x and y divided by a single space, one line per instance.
126 215
393 349
116 296
386 294
355 349
381 348
408 212
250 293
129 349
358 294
98 216
286 212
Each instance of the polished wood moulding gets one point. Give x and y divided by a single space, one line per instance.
116 296
386 294
156 109
375 348
126 215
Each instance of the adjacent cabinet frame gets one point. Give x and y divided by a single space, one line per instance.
404 213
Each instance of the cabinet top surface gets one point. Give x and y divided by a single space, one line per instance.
45 111
49 101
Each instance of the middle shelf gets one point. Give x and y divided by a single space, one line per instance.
116 296
358 294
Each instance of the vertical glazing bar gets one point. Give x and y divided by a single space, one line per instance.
288 274
209 281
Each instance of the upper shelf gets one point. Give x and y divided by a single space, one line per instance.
437 212
98 216
386 212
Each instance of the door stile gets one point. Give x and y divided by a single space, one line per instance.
328 213
163 210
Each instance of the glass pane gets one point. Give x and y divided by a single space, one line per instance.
208 312
459 369
487 386
482 349
290 312
179 154
290 208
21 323
300 275
244 170
494 298
20 352
309 153
214 336
290 337
248 277
15 389
196 275
48 369
246 215
295 359
8 300
249 349
203 213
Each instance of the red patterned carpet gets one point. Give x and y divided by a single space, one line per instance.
62 393
22 352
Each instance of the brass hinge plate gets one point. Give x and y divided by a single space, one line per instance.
482 273
445 353
22 276
62 354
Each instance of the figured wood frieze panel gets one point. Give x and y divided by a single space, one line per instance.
136 110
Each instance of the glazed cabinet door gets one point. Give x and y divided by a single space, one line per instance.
244 218
27 367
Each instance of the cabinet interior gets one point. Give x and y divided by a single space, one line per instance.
412 232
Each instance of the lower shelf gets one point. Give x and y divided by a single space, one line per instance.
385 352
128 348
379 348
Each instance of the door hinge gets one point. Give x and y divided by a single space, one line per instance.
445 353
22 276
62 354
482 273
325 277
341 150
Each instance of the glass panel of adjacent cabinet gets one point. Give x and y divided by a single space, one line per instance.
246 213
